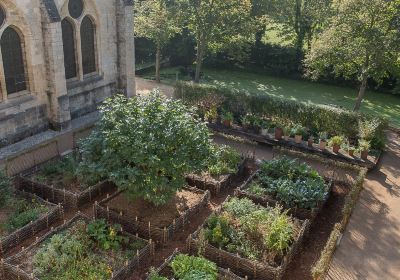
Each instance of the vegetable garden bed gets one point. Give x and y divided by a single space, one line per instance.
216 184
28 215
245 266
304 195
271 141
78 250
165 272
149 221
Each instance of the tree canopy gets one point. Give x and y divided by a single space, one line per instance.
361 41
146 145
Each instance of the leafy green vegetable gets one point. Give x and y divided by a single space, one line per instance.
190 267
225 160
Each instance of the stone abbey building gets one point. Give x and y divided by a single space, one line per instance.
58 60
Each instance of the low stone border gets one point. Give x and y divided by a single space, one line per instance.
70 200
271 141
216 186
242 266
10 267
223 274
54 214
266 200
144 229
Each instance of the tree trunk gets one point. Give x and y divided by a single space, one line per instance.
158 62
361 94
199 59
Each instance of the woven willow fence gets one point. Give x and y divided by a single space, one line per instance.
243 266
166 271
146 229
213 185
15 267
70 200
53 215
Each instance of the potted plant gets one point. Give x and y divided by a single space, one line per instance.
298 131
246 122
227 118
364 147
310 141
286 132
323 137
278 131
211 115
265 125
349 148
335 142
256 124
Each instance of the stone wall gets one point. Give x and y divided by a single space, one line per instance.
51 101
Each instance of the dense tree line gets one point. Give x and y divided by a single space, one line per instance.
349 40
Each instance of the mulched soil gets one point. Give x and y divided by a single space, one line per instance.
58 182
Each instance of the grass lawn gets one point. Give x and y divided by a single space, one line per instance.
375 103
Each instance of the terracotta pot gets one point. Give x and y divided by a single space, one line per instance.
264 131
298 139
336 148
310 142
364 155
278 133
227 123
351 153
322 145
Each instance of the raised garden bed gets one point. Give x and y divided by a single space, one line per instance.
76 250
291 144
264 263
26 215
61 186
166 271
216 184
296 197
149 221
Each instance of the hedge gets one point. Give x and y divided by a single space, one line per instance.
333 120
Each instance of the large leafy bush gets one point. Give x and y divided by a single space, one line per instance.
146 145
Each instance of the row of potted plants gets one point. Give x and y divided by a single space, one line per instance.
283 129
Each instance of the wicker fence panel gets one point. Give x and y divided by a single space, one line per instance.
242 266
53 215
10 268
216 186
68 199
145 229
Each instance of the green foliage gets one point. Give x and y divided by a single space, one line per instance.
336 140
106 237
146 145
332 120
256 189
22 213
225 160
298 129
295 184
227 116
190 268
252 231
154 275
5 189
364 145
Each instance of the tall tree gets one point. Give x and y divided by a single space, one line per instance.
362 41
156 20
217 25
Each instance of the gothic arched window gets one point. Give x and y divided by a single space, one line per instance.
69 49
88 46
13 61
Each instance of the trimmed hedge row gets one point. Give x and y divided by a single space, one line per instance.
333 120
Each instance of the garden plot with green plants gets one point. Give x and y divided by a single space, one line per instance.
251 239
81 249
225 165
22 214
183 266
285 181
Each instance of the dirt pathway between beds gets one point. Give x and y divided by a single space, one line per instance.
370 247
